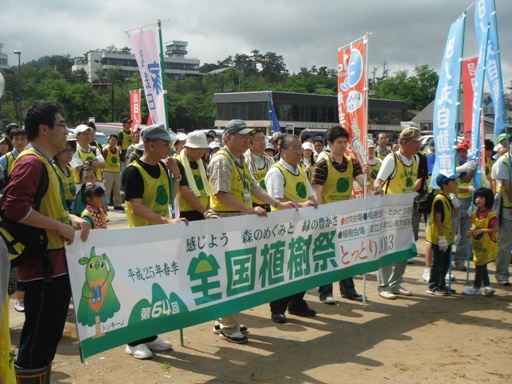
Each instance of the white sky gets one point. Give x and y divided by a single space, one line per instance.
406 33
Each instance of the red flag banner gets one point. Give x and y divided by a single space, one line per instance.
135 109
468 77
352 103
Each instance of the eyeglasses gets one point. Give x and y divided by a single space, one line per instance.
63 125
294 148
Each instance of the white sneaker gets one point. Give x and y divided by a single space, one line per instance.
218 326
19 306
328 300
159 345
426 274
387 295
401 291
472 291
449 277
489 291
140 351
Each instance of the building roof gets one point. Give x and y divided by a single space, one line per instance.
297 98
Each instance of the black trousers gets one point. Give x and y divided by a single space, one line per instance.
46 310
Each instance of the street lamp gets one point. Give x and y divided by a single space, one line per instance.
19 81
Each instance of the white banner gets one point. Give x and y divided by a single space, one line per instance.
145 46
132 283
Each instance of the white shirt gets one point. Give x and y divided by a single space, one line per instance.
388 166
77 162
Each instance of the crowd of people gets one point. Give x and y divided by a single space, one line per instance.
244 174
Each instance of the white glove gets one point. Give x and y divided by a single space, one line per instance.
455 201
443 243
467 166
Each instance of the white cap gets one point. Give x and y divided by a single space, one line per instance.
196 139
308 145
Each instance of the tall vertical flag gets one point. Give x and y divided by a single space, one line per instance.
146 47
446 103
478 89
135 112
468 78
485 14
352 98
272 114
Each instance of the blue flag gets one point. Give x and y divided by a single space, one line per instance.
447 103
484 20
272 114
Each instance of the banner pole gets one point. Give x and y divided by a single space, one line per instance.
354 41
365 144
167 126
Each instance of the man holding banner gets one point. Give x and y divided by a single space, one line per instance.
231 188
148 195
333 178
286 181
398 175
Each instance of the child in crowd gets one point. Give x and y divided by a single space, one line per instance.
65 172
439 233
93 197
87 175
484 240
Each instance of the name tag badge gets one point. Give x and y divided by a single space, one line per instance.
247 197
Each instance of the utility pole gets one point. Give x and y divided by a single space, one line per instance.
19 89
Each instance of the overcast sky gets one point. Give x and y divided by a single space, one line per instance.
405 33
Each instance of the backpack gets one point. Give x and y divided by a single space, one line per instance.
26 243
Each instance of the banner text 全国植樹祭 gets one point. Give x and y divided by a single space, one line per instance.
131 283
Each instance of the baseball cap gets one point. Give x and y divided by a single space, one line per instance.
238 126
371 144
443 179
157 131
214 145
463 145
501 137
196 139
126 120
270 146
307 145
411 133
10 127
181 137
82 128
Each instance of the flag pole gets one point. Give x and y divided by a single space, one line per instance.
167 126
365 144
498 54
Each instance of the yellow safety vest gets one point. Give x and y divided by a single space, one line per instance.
295 186
87 156
240 183
485 245
112 160
338 185
127 140
53 203
259 175
156 196
67 181
203 198
404 178
432 233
